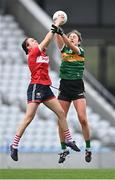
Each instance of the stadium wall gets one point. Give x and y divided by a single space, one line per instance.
50 160
99 104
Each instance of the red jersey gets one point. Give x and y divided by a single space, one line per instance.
38 63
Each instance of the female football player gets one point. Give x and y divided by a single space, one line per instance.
72 85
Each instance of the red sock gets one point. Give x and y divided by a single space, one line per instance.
16 141
67 135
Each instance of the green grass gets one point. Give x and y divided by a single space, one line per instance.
57 174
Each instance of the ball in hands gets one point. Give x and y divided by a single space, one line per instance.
59 13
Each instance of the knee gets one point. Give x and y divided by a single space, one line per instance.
28 118
83 120
61 113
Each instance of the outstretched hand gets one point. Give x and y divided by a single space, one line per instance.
57 30
56 25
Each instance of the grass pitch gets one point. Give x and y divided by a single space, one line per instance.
57 174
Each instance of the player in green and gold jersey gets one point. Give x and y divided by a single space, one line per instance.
72 85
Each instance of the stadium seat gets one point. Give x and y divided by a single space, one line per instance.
42 133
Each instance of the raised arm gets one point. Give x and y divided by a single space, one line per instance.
69 44
46 40
50 34
59 40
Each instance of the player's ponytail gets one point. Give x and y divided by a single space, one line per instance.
24 46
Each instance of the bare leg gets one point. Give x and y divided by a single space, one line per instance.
30 113
65 105
80 106
55 106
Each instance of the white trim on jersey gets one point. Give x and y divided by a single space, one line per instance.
42 59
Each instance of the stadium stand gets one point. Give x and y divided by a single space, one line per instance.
42 134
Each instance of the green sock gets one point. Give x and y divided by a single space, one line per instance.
87 143
63 146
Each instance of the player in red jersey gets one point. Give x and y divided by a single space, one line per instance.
39 89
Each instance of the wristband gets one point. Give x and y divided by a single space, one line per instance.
54 28
60 31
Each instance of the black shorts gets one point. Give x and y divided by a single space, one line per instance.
39 93
71 90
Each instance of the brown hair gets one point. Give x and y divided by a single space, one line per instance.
75 32
24 45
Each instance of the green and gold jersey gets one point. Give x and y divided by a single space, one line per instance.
72 65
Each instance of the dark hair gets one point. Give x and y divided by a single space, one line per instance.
76 32
24 46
